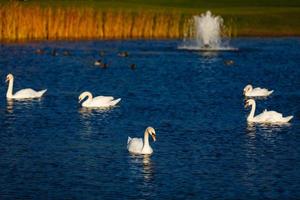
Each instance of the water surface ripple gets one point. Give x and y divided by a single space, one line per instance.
54 149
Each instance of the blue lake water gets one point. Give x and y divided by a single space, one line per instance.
53 149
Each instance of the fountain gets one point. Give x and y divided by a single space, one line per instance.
206 34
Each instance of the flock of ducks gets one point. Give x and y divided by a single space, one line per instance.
139 145
270 117
98 62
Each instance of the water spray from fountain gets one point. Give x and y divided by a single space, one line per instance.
206 34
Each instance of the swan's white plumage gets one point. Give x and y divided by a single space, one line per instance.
134 144
265 116
28 93
139 145
99 101
249 91
21 94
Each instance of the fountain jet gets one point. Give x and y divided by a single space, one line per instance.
208 29
206 34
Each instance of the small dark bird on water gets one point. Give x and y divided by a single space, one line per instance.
133 66
101 53
66 53
39 51
228 62
101 64
123 54
98 62
54 52
104 65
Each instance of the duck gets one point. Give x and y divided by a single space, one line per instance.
54 52
40 51
138 146
97 102
27 93
104 65
228 62
272 117
101 53
66 53
133 66
123 54
249 91
98 62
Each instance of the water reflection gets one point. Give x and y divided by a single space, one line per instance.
147 168
253 128
257 137
208 55
10 106
207 58
24 103
250 166
89 112
90 117
142 166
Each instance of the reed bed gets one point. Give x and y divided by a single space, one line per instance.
19 22
35 22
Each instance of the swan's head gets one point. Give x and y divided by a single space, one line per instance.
151 131
248 88
9 77
83 95
249 102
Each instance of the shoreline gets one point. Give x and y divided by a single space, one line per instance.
3 42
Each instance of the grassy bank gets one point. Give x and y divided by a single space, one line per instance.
151 19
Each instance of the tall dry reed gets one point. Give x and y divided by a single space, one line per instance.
19 22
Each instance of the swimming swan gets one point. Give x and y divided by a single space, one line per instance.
22 94
249 91
266 116
137 146
97 102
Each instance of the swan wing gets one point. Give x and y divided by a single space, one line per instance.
269 116
274 116
28 93
260 92
103 98
135 145
104 101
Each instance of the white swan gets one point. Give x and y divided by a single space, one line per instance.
137 146
249 91
21 94
266 116
97 102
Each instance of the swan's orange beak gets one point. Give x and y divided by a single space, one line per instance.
246 105
153 137
7 79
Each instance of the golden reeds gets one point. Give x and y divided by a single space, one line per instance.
33 22
19 22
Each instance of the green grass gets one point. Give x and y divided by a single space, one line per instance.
182 4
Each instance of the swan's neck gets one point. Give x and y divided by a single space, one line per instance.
146 146
88 100
9 93
251 115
